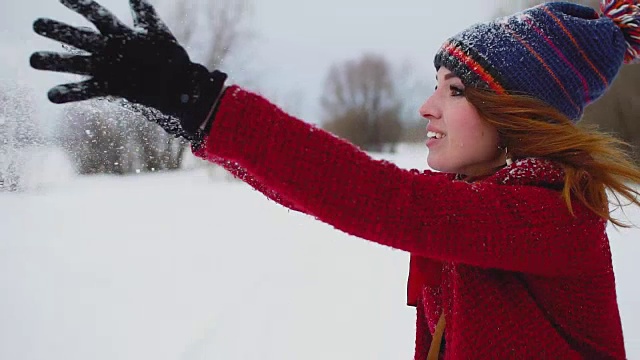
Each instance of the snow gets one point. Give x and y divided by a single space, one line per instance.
186 266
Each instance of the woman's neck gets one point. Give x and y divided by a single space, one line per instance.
481 176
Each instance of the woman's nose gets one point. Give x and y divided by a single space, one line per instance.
429 109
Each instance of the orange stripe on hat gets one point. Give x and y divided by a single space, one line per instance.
474 66
570 36
546 66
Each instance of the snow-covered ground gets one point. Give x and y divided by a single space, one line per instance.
183 266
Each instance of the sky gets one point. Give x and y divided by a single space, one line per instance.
293 44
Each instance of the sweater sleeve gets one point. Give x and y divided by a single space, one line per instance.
514 228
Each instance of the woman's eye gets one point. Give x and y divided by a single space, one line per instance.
456 91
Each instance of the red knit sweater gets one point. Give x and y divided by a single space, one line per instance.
517 275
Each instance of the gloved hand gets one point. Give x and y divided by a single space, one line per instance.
144 65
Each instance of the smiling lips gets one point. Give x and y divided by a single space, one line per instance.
436 135
433 137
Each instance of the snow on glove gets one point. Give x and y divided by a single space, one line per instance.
144 65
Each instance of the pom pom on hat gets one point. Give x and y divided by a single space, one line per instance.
626 15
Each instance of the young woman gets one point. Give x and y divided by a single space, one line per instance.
509 252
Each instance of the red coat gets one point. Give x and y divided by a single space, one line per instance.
517 275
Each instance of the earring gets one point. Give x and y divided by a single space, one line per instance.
506 153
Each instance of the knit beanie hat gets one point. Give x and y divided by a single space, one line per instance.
561 53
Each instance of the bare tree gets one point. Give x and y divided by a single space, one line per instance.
361 103
617 111
96 136
104 137
150 144
212 30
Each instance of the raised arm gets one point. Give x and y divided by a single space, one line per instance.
507 227
518 228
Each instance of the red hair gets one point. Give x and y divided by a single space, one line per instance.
593 162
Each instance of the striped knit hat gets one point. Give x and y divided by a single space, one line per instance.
561 53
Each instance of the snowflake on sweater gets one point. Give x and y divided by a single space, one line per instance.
530 171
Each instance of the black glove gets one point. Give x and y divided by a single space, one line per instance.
145 66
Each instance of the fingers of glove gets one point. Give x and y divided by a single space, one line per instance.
84 39
76 91
69 63
146 17
102 18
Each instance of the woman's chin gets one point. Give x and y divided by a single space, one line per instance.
440 165
434 162
434 167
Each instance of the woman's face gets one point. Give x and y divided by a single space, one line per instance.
459 140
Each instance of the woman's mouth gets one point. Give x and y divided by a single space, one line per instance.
434 137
